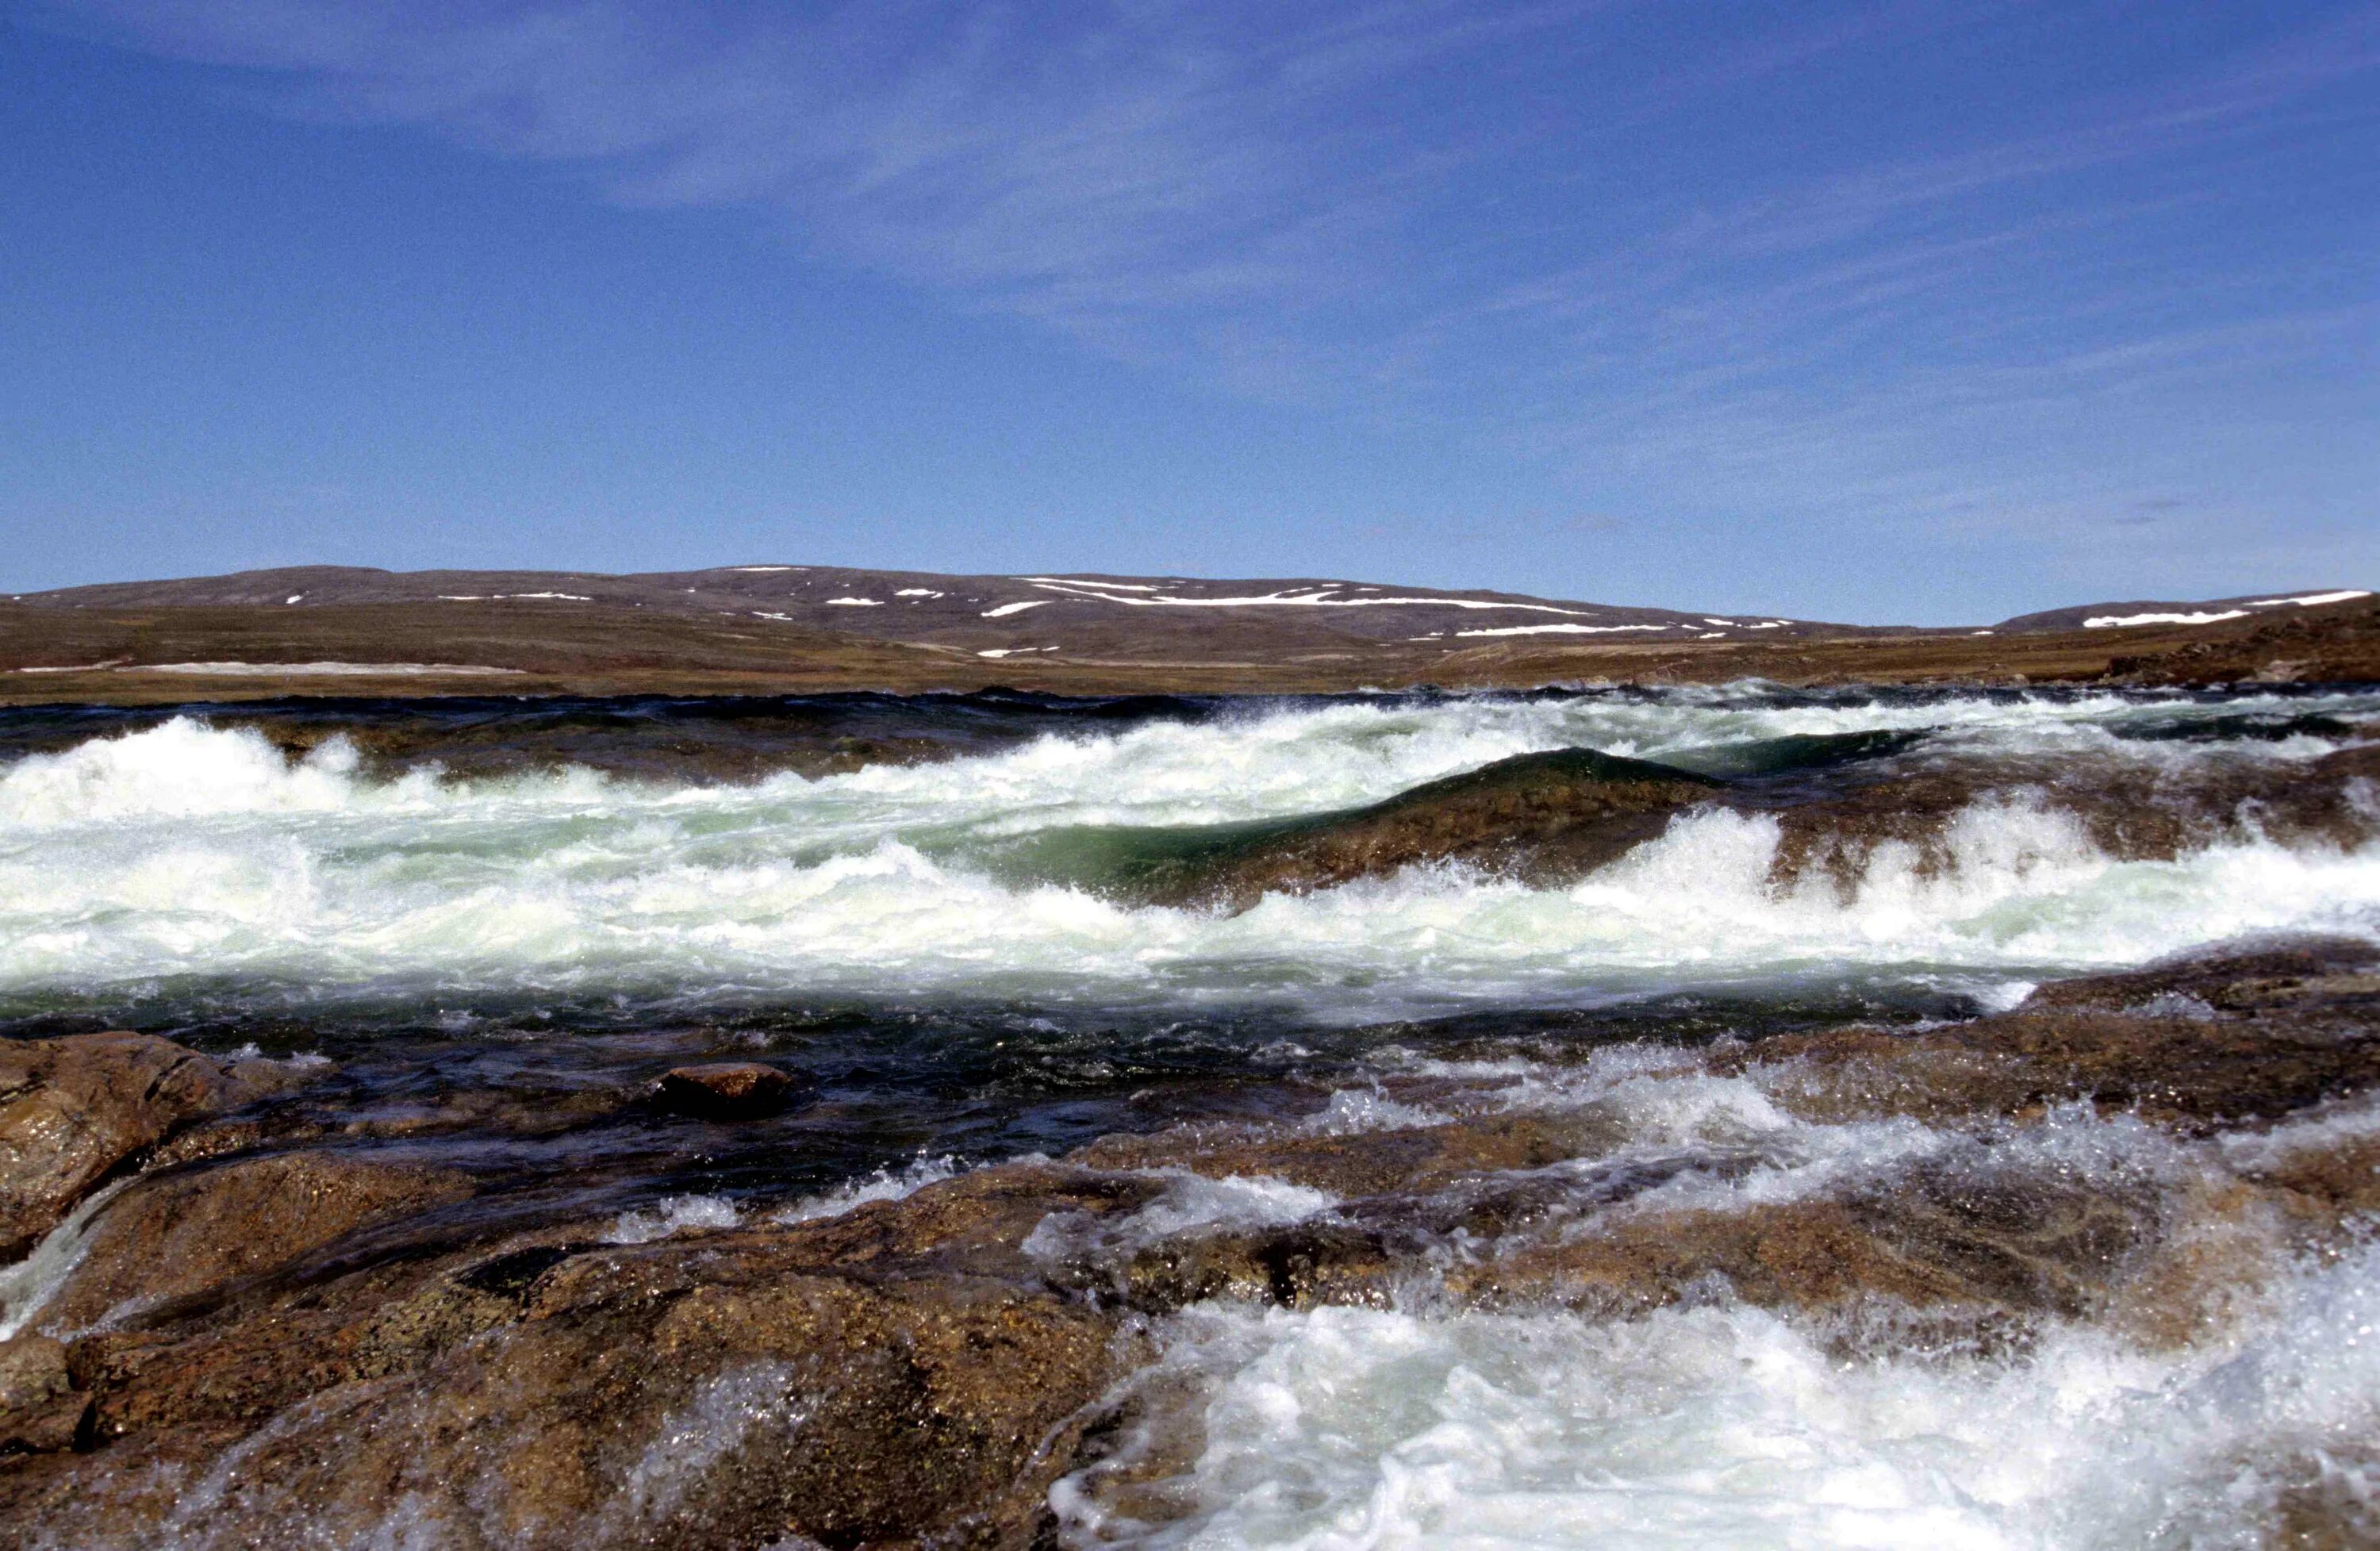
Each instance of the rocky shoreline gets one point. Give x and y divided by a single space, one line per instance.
272 1333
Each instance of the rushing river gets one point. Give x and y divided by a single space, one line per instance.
907 901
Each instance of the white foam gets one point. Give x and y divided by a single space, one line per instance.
27 1287
1353 1110
701 1435
1191 1204
885 1184
1723 1426
184 848
672 1215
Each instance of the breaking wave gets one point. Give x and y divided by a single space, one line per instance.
186 851
1724 1425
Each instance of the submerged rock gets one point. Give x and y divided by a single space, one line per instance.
75 1108
2198 1043
2128 811
724 1091
1546 817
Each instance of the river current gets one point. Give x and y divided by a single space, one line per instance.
906 903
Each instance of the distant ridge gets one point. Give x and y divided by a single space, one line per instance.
2214 610
1008 610
1071 611
774 628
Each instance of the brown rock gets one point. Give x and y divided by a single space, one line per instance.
75 1107
725 1393
1405 1160
724 1091
2128 811
2197 1042
181 1234
39 1410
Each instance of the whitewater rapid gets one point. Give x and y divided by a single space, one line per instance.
1723 1426
189 852
869 932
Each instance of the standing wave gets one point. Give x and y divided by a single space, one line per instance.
190 852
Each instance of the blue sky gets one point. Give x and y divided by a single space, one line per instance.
1889 311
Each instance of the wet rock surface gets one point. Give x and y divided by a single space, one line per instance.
724 1090
2130 812
1544 817
189 1233
72 1109
318 1337
40 1410
2198 1044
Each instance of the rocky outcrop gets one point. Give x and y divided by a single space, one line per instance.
2196 1044
849 1381
190 1232
75 1108
2127 811
275 1358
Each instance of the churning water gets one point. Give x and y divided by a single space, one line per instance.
491 894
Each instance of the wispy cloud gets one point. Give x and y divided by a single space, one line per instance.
1512 219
